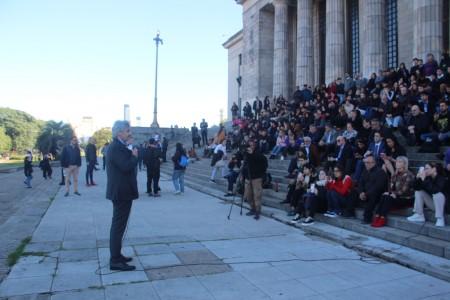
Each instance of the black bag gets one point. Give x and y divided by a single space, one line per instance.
267 181
216 157
240 187
430 146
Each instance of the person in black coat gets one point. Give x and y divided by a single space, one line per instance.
255 167
178 170
91 161
121 189
45 166
151 158
372 184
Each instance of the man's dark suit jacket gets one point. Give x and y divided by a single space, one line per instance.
347 153
120 171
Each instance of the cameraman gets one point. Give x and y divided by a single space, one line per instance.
255 166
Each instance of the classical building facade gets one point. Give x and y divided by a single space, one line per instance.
288 43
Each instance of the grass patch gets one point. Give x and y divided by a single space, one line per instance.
10 164
14 256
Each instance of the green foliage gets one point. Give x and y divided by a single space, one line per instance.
21 128
14 256
102 136
5 141
53 137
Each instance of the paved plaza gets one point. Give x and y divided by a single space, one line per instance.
185 247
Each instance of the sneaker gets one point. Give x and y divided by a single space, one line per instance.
308 222
440 222
87 184
228 195
330 214
282 158
156 195
416 218
177 193
66 194
181 193
76 193
212 180
296 219
256 217
150 194
93 184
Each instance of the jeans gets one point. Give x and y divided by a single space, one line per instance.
393 121
434 135
231 177
277 149
28 180
337 201
178 180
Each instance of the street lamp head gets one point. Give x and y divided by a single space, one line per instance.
157 39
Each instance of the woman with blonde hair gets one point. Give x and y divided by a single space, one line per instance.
399 194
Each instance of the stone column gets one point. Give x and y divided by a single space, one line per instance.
374 48
305 49
335 47
428 28
280 59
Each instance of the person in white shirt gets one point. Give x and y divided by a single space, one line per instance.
219 157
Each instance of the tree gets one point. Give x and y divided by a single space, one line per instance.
54 136
102 136
5 141
21 127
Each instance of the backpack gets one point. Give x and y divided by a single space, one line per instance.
183 161
216 157
267 181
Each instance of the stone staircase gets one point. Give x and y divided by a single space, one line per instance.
424 237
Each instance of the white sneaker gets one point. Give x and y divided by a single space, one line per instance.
177 193
296 219
282 157
416 218
440 222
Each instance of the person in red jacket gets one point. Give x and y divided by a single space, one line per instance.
338 194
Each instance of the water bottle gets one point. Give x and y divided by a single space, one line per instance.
277 187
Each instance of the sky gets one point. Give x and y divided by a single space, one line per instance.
65 60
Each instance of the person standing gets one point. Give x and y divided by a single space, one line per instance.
121 189
255 166
178 171
105 147
46 167
257 107
204 131
195 136
164 145
71 162
28 168
151 159
91 161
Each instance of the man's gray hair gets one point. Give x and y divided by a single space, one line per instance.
119 125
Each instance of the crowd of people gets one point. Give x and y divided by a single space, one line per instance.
348 130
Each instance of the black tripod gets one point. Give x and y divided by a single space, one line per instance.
241 171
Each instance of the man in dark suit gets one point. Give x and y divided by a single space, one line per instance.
121 189
375 149
343 154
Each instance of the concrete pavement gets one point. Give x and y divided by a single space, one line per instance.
184 247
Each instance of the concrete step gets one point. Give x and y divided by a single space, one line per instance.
424 237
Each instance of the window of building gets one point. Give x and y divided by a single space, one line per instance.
354 35
391 33
322 39
446 25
